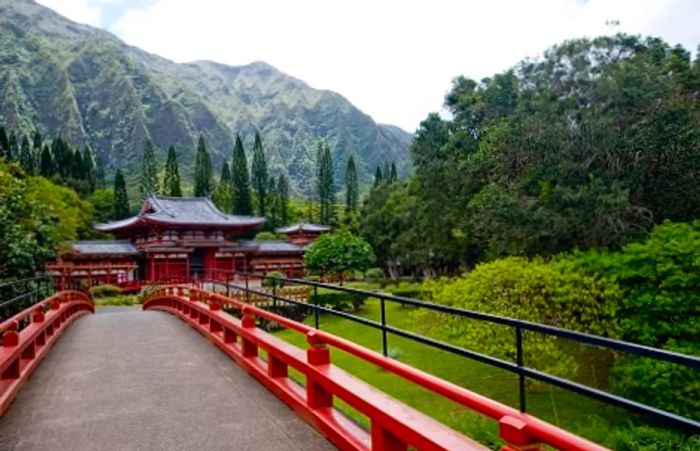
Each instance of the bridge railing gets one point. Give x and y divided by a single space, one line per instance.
393 424
252 287
26 337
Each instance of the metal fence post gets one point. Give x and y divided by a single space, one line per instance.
246 287
315 308
385 349
521 376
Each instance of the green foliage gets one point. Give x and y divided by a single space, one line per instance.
102 201
103 291
259 176
242 201
223 194
268 236
338 253
645 438
202 170
70 214
171 179
282 201
121 300
326 186
553 292
148 181
352 189
374 274
120 209
338 301
274 282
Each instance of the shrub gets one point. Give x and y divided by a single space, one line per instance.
549 292
103 291
645 438
338 301
338 253
374 275
272 282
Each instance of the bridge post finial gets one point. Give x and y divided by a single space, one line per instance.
514 432
38 316
11 337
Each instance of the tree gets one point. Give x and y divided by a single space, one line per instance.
393 175
242 202
223 194
99 174
326 189
171 179
351 187
282 201
338 254
148 182
26 158
378 178
4 144
46 166
102 201
259 175
202 170
121 207
89 173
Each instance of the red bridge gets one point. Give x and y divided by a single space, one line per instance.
126 379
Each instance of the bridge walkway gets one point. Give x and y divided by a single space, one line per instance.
124 379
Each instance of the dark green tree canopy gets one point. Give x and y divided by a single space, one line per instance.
337 254
148 181
202 170
242 200
259 176
171 179
121 207
352 189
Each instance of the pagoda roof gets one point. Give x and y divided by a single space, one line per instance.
304 227
266 246
190 211
104 247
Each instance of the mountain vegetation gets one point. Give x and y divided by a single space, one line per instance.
114 97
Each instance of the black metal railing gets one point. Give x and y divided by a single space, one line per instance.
17 295
241 281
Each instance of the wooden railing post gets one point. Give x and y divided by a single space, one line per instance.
11 339
214 306
514 432
317 354
249 348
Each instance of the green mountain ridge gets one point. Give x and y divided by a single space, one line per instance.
89 87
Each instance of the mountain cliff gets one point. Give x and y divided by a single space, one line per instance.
84 84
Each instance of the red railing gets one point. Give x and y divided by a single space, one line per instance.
21 350
394 425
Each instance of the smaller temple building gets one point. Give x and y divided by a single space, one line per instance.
174 239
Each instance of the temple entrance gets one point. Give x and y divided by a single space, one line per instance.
197 263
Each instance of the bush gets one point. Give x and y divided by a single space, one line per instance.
645 438
374 275
338 301
103 291
272 282
548 292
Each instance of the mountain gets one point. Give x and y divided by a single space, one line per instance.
87 86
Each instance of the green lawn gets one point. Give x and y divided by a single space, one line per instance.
572 412
119 300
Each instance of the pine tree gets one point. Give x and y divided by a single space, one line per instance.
89 167
120 208
259 177
282 201
26 158
326 192
271 203
99 174
378 176
4 143
47 167
13 148
223 194
202 170
242 202
148 182
351 187
36 150
171 179
393 175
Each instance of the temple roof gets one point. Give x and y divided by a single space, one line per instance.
104 247
303 227
193 211
267 246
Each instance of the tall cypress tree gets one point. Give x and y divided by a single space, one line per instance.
378 176
223 194
26 159
13 148
148 182
326 192
202 170
171 179
99 174
120 209
4 143
271 203
242 202
282 201
259 175
89 168
393 175
47 167
351 187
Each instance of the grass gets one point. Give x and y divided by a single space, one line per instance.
572 412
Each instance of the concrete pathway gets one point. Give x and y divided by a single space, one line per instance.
124 379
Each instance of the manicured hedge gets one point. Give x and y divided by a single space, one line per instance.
338 301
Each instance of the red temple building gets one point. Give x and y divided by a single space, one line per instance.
181 238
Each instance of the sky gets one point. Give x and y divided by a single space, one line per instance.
393 59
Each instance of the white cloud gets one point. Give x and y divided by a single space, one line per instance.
82 11
393 59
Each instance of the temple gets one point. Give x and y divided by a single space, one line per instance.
183 238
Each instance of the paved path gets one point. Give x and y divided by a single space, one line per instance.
124 379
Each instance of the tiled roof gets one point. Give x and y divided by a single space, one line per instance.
303 227
183 210
104 247
271 246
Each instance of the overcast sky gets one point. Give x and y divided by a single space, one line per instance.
393 59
